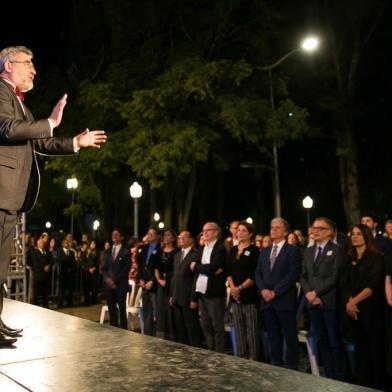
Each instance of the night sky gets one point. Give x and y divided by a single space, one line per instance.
306 167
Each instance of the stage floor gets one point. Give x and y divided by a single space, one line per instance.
64 353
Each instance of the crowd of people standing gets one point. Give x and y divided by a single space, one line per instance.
338 285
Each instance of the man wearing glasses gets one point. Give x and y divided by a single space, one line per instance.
210 287
20 138
319 281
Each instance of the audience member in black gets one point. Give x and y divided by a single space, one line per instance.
244 297
67 263
361 289
163 274
382 244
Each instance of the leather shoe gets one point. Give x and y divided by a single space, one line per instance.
5 331
9 329
4 342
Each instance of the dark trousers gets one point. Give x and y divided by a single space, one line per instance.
148 312
281 326
66 289
212 320
116 299
325 329
41 292
90 288
187 325
7 229
164 314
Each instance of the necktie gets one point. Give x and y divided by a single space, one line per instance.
318 257
182 254
67 252
19 93
273 256
114 253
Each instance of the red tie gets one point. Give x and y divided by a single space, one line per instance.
19 93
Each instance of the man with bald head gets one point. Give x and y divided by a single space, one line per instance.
21 137
186 312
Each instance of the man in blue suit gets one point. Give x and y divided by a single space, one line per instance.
276 275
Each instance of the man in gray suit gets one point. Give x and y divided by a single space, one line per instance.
319 281
20 138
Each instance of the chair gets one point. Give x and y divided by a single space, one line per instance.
134 306
105 308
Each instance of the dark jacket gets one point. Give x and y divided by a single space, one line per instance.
38 262
182 282
117 269
216 286
20 138
146 267
324 279
281 279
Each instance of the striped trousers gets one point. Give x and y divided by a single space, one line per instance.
246 320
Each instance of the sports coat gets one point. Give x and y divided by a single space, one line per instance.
21 137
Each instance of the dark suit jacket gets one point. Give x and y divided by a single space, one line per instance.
146 267
216 286
281 279
182 282
20 138
324 279
38 262
67 263
117 269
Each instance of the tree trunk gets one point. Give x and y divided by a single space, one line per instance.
348 168
184 209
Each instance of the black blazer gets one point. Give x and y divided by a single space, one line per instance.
67 263
117 269
281 279
20 138
324 279
146 267
216 286
182 283
38 262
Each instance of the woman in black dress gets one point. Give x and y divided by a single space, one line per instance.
163 274
361 287
244 297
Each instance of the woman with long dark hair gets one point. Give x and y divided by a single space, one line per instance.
163 275
361 287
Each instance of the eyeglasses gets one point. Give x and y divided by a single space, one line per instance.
319 228
27 63
205 230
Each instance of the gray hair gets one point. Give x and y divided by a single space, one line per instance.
215 226
7 54
282 222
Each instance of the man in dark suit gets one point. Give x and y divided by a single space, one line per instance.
319 281
41 264
210 288
148 259
115 270
66 258
383 244
277 271
186 314
20 138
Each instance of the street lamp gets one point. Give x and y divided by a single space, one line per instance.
96 225
249 220
307 203
72 184
309 45
156 217
161 225
48 225
136 193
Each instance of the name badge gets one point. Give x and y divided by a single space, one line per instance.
247 253
329 253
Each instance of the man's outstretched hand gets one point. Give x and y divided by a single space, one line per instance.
91 138
57 113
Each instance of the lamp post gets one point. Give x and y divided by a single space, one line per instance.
307 203
136 193
72 184
309 44
96 225
156 217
